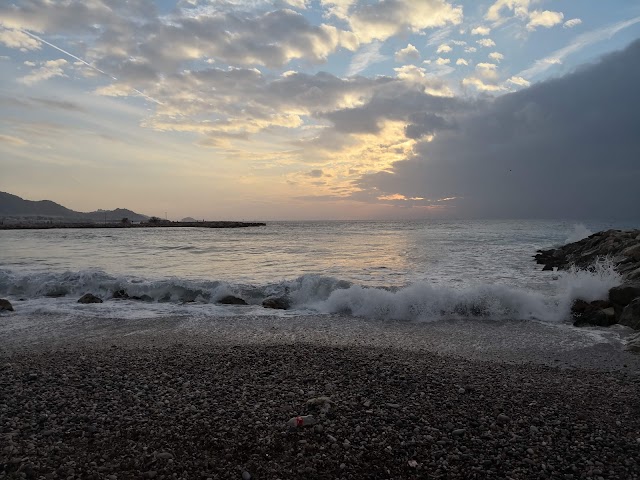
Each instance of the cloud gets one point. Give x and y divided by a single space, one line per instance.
17 39
442 61
574 22
444 48
480 85
462 61
496 56
317 173
580 42
481 31
11 140
366 56
558 149
132 36
47 70
487 70
486 42
521 82
470 49
543 18
386 18
407 54
520 8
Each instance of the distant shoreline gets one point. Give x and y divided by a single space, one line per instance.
47 226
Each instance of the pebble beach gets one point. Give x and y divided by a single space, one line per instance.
184 402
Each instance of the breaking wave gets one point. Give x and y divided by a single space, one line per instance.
420 301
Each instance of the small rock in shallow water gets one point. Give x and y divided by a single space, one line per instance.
89 298
5 305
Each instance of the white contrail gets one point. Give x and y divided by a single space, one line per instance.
88 64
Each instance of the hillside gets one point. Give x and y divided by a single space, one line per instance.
16 208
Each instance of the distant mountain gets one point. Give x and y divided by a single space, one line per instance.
189 220
15 207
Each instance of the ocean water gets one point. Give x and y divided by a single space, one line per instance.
413 271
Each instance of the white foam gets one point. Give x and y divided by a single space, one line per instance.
420 301
578 233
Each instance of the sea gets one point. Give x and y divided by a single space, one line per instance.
412 271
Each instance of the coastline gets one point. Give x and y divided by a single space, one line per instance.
49 226
151 404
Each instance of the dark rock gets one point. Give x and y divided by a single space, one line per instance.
56 292
622 295
89 298
630 316
5 305
231 300
595 316
120 294
142 298
278 303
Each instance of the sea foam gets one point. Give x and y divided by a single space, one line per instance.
419 301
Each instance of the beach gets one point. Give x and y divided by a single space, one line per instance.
184 400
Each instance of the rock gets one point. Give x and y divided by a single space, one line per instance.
632 252
630 316
246 475
142 298
633 343
164 455
597 313
5 305
502 419
623 294
89 298
56 292
120 294
277 303
302 421
231 300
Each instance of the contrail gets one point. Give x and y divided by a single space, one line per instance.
88 64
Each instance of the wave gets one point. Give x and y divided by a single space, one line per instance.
578 233
420 301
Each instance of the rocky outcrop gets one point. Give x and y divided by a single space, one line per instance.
89 298
231 300
620 247
5 305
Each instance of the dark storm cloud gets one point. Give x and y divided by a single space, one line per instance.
568 147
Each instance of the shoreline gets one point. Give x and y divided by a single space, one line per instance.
201 409
49 226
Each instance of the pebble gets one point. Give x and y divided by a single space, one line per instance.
220 407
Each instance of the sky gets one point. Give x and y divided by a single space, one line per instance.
323 109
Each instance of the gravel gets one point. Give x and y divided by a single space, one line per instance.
216 411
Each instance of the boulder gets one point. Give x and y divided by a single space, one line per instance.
630 316
598 313
622 295
278 303
120 294
231 300
89 298
5 305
